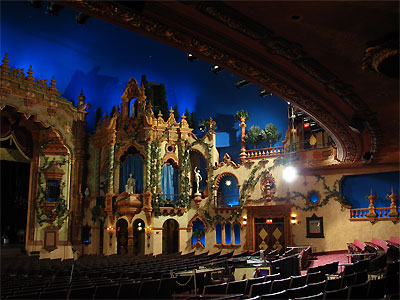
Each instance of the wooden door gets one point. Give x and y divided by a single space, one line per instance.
269 237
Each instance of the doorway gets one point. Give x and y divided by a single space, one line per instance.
138 237
269 234
122 236
170 237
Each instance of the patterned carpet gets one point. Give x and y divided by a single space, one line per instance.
319 259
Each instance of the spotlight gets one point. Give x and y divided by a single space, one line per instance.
191 57
264 93
228 183
289 174
216 69
202 128
54 9
36 3
241 83
82 18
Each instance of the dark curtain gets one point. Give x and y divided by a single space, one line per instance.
22 137
132 164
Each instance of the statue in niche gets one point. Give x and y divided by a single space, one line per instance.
130 185
198 178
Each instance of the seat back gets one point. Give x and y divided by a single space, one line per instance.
107 291
348 280
167 288
298 281
149 289
317 287
278 295
129 290
301 291
280 285
332 284
361 277
317 296
315 277
252 281
215 288
236 287
81 293
55 294
261 288
376 289
336 294
358 291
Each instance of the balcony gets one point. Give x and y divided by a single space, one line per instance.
226 203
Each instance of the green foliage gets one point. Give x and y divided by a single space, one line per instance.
271 134
198 233
193 120
241 114
255 136
176 112
98 116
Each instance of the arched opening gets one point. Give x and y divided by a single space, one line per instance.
170 237
16 148
228 191
138 237
131 163
169 181
122 236
198 233
198 161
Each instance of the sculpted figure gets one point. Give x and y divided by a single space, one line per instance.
198 178
130 185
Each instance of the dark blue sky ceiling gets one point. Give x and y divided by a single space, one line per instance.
100 58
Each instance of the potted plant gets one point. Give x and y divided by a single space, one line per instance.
241 114
198 234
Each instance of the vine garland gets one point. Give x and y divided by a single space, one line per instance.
60 211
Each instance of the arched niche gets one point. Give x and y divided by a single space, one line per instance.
122 236
267 186
197 159
170 181
227 187
170 237
138 228
131 162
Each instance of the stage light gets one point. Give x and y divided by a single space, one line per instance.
216 69
82 18
306 125
191 57
264 93
289 174
241 83
54 9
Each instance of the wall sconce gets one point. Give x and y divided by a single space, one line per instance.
148 233
110 231
244 220
293 217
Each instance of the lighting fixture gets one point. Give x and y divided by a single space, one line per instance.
228 183
216 69
191 57
289 174
54 9
242 83
244 220
82 18
264 93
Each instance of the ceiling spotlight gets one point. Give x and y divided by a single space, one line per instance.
241 83
54 9
191 57
289 174
82 18
216 69
264 93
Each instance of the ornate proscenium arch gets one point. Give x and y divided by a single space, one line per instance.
172 24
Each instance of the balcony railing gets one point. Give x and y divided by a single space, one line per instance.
264 152
381 214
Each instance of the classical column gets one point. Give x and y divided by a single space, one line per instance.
242 125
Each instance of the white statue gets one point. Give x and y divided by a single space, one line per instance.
198 178
130 185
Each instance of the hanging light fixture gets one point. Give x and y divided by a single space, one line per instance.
264 93
191 57
242 83
216 69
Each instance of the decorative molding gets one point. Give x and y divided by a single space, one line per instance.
227 162
222 175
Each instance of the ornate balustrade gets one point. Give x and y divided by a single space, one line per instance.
263 152
377 214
